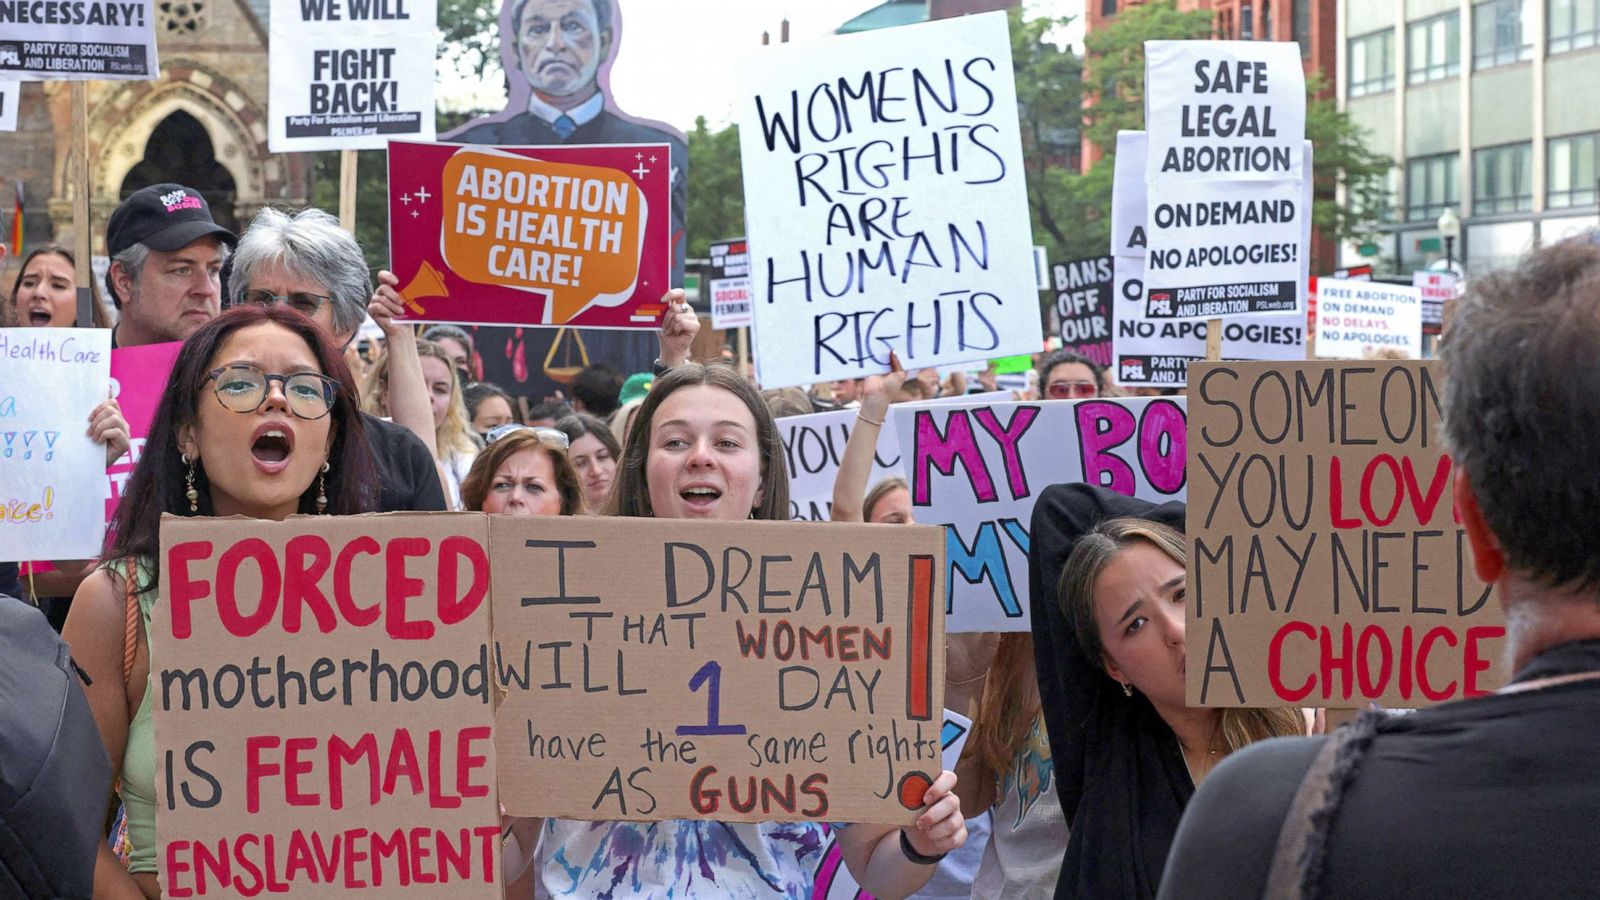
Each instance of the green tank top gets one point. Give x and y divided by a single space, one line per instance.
139 756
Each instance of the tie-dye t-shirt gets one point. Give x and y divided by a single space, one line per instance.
676 858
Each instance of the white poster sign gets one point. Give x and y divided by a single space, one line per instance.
813 447
728 283
1438 289
1152 353
53 484
1358 318
350 74
80 40
10 97
885 202
1225 127
1127 196
978 469
1224 111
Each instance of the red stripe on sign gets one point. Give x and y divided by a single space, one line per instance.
919 657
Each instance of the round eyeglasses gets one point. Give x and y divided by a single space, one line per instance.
242 388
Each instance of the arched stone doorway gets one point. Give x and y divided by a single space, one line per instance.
180 150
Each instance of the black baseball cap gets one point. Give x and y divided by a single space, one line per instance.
163 217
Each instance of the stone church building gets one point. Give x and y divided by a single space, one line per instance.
203 124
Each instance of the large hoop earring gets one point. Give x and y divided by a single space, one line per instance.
189 493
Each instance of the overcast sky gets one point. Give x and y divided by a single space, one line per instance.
678 58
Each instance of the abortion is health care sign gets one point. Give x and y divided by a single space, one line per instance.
79 41
1225 121
978 468
885 204
573 235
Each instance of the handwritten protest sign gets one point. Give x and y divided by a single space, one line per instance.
322 692
978 469
52 481
350 74
1437 289
750 671
885 203
1083 303
10 96
1325 564
729 283
138 381
832 879
1225 124
78 41
1356 318
573 235
813 448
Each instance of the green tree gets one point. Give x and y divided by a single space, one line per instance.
716 187
469 36
1049 110
1115 81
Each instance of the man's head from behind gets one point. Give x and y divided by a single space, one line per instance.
561 45
1522 399
307 262
166 263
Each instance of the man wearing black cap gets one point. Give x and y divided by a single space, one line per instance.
166 264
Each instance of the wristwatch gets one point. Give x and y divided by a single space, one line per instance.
658 369
912 854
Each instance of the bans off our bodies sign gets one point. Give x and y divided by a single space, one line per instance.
323 687
1326 566
571 235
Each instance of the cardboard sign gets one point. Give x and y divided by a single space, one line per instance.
1356 318
1325 564
52 476
1225 126
1153 353
1083 302
350 74
532 235
832 879
740 671
729 283
323 694
111 40
10 98
978 469
138 381
813 447
885 202
1438 288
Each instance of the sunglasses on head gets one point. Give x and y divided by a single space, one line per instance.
544 433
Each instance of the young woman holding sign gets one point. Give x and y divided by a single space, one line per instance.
1127 751
258 420
705 447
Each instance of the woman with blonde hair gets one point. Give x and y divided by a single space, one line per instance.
455 444
1107 574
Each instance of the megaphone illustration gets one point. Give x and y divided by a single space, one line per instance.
426 283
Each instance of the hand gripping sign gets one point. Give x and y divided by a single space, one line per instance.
531 236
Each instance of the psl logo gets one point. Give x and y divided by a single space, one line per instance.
9 57
1160 303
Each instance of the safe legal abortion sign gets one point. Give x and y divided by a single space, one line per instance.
1326 563
572 235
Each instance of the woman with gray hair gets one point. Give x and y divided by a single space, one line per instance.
306 262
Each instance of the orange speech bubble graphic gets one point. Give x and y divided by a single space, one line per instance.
572 232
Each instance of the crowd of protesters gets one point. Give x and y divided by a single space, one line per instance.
1085 775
